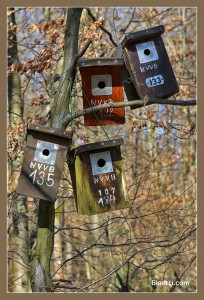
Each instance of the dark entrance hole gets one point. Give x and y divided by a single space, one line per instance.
147 52
101 162
46 152
101 84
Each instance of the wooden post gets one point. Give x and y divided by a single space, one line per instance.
40 272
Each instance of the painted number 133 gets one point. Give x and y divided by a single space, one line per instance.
155 80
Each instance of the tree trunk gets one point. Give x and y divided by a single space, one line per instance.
61 103
40 274
18 234
40 268
14 84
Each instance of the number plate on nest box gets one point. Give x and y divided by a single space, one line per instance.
43 163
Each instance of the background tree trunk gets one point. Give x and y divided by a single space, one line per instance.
18 233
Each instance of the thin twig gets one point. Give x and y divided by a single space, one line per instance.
80 54
10 12
124 29
186 268
182 238
102 28
148 19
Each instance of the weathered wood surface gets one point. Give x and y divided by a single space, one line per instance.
142 35
128 85
49 130
140 72
97 193
98 62
153 71
39 179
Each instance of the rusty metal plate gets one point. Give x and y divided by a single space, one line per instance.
43 163
98 192
101 162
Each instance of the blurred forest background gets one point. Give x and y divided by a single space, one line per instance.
121 251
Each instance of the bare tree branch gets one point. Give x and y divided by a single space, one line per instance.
61 101
124 29
80 54
10 12
102 28
179 278
180 239
138 103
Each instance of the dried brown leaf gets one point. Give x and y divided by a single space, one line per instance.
9 12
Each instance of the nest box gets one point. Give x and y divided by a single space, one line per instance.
147 64
97 177
43 163
101 84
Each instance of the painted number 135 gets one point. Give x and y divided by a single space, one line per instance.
49 181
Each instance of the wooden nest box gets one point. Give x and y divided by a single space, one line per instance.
97 177
43 162
147 65
101 84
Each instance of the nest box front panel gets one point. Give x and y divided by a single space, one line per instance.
99 182
103 85
150 68
43 163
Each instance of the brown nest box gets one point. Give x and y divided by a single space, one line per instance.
147 65
101 84
43 162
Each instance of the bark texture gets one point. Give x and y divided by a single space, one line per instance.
40 274
61 103
18 233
